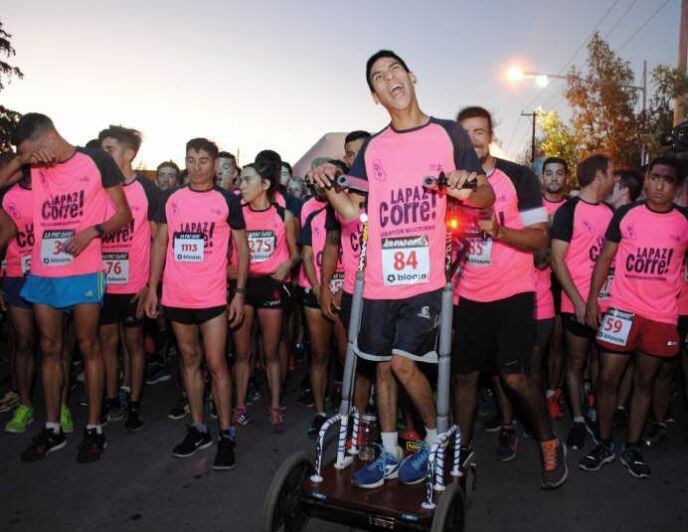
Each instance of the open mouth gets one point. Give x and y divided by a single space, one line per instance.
397 90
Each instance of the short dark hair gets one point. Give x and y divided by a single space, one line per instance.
203 144
588 168
668 161
168 164
356 135
272 157
475 111
130 137
631 179
94 144
226 155
339 164
555 160
30 126
379 55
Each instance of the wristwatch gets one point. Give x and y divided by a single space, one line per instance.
240 291
100 229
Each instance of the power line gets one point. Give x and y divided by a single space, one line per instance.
642 26
623 15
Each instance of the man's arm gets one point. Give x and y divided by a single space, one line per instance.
8 229
11 172
329 267
532 238
308 261
559 249
593 316
158 252
236 307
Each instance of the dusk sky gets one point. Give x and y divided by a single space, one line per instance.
277 74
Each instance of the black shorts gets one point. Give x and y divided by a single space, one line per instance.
345 311
119 308
556 293
266 292
192 316
571 325
11 287
406 327
543 332
682 330
307 298
496 336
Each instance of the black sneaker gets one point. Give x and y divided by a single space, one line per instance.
633 459
134 422
578 435
306 399
655 434
316 424
42 444
507 444
194 440
180 409
225 459
599 456
114 409
92 446
494 423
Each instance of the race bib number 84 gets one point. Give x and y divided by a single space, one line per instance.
405 260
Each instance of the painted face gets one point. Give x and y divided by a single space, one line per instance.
166 177
226 171
200 166
661 184
122 154
252 186
351 150
392 85
285 176
554 178
478 129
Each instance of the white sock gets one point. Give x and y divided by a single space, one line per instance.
578 419
55 427
550 393
430 436
99 429
390 442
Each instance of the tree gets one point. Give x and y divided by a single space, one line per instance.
8 117
602 101
556 139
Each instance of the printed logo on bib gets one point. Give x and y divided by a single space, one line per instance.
117 267
261 245
189 247
405 260
25 264
52 248
604 291
337 282
615 327
480 252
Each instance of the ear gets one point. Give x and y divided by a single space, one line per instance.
413 77
265 184
375 98
129 154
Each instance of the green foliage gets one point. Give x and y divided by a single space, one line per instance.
8 117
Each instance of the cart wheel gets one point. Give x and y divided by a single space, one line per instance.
449 513
281 510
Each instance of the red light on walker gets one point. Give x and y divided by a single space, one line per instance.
453 224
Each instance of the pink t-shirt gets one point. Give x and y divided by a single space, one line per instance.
494 270
310 206
683 294
582 225
649 260
18 204
68 198
407 234
267 239
349 247
552 206
126 253
314 234
199 226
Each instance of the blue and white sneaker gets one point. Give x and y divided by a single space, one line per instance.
384 467
159 374
414 468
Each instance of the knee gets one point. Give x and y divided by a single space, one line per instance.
88 347
576 364
643 383
516 381
403 368
217 368
50 347
191 357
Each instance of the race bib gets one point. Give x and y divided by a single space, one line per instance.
337 282
405 260
116 267
261 245
25 264
480 252
615 328
604 291
52 248
189 247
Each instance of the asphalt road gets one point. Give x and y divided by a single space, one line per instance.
139 486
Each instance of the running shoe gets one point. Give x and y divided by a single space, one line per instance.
91 447
42 444
252 392
494 423
554 408
114 410
374 474
134 421
656 433
225 459
554 468
578 435
9 401
240 417
194 440
83 398
507 444
66 421
633 459
316 424
414 469
180 409
21 419
158 374
602 454
306 399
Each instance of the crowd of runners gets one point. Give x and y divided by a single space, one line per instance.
568 300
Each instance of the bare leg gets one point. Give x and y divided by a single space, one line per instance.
662 390
386 391
49 321
22 321
612 368
133 339
270 327
506 408
532 402
86 326
214 333
319 330
578 356
465 400
109 342
190 356
242 356
646 370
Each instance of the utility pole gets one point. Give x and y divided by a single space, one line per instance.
533 116
682 60
643 147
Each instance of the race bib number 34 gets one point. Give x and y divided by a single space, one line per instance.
52 248
405 260
261 245
615 328
189 247
116 267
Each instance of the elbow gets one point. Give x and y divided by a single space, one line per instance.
484 197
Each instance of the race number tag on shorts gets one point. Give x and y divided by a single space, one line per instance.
405 260
116 267
337 282
604 291
480 252
25 263
261 245
616 325
189 247
52 248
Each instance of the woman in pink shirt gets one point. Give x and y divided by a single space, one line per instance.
273 253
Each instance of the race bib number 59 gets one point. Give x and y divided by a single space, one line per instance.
52 248
405 260
615 328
